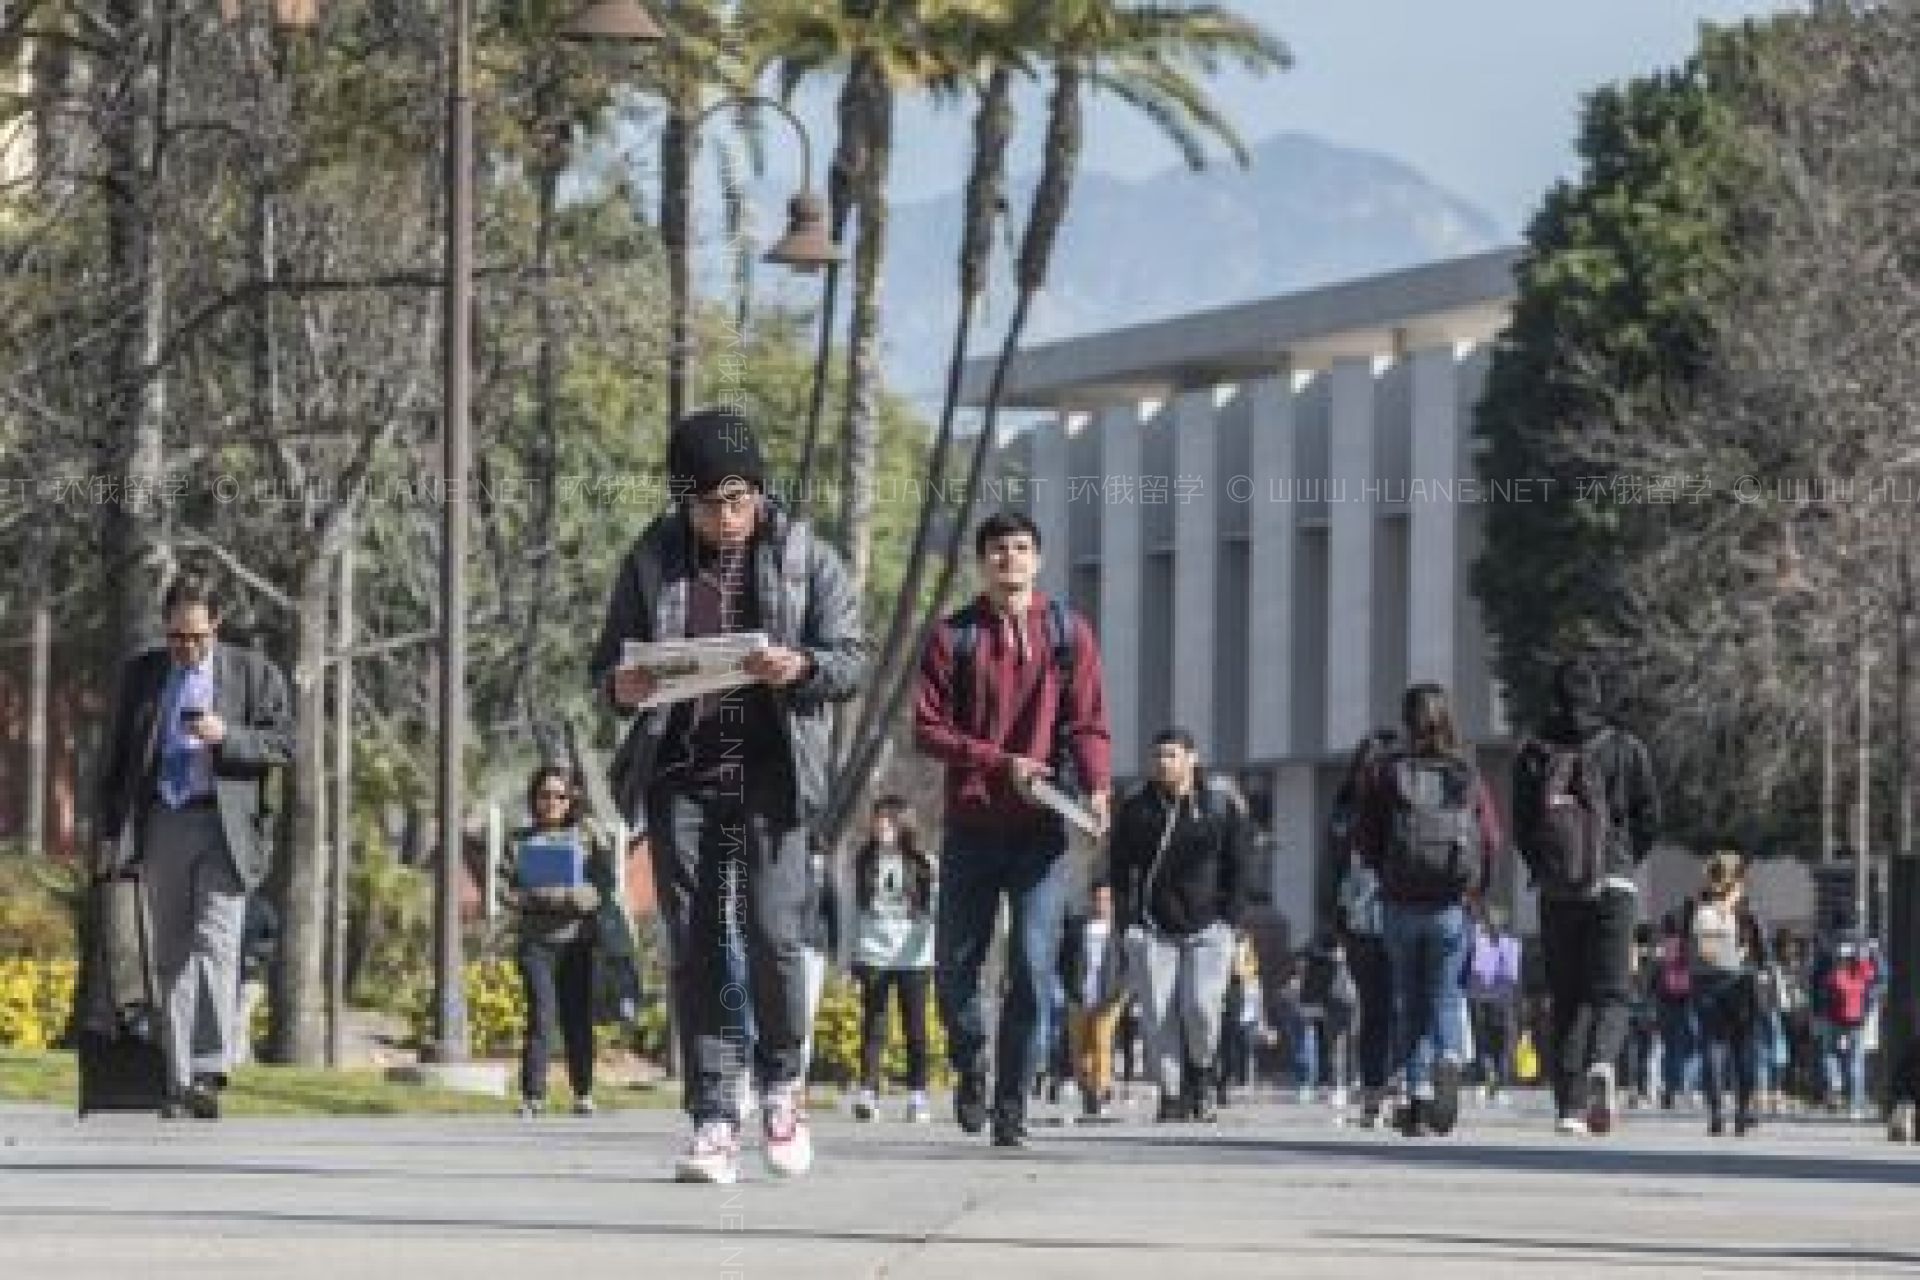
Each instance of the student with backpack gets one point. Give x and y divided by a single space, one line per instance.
1360 916
1672 987
1845 987
1429 828
1493 996
1179 853
1009 691
1727 950
1585 815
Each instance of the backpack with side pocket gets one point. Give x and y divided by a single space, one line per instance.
1563 820
1433 836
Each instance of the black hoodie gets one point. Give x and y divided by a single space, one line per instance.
1205 874
1633 796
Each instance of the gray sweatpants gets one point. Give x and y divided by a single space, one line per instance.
198 905
1181 983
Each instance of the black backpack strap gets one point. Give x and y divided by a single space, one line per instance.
966 647
1060 643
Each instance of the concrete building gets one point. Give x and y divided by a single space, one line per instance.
1269 511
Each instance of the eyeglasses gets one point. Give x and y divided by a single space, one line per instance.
187 637
556 795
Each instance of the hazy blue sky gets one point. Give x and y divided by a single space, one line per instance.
1480 95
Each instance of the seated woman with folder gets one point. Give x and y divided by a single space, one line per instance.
556 876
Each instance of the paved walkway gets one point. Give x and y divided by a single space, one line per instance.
1276 1190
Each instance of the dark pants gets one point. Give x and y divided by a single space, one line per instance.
1727 1009
1373 979
912 986
1589 953
558 978
975 873
733 856
1493 1040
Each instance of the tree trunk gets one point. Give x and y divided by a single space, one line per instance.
42 678
985 197
861 446
679 148
1050 200
133 109
546 450
299 1007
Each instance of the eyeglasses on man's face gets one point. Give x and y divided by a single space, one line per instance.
562 796
727 502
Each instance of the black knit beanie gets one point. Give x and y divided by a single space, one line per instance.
710 447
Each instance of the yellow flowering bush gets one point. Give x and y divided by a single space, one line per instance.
836 1037
36 1001
496 1008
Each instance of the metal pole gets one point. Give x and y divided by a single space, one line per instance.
1828 785
450 1006
342 819
1863 766
37 727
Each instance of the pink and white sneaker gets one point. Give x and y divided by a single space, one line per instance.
789 1139
712 1154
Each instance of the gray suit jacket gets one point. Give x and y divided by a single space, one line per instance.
250 695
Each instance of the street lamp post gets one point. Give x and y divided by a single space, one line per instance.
622 20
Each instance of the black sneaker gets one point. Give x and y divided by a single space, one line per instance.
1412 1120
202 1101
1744 1125
970 1103
1172 1109
1716 1126
1091 1104
1200 1103
1444 1111
1009 1133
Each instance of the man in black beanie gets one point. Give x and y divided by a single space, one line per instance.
725 785
1586 812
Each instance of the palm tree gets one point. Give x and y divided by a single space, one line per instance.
1148 57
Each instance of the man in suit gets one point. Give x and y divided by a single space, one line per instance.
198 727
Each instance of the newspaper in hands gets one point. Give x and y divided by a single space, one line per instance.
692 668
1069 807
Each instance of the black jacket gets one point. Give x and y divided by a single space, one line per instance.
806 602
1633 796
1205 874
866 875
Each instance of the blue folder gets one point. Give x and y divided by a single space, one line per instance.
552 862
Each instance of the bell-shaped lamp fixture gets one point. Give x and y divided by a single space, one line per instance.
612 22
806 247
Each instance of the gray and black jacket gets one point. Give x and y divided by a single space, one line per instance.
1633 794
806 602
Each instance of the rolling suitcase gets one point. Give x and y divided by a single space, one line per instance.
119 1039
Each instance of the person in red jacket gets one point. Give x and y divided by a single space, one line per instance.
1009 691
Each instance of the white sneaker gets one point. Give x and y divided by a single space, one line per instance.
1306 1095
1339 1099
1572 1126
712 1154
865 1105
1902 1123
788 1138
919 1108
746 1098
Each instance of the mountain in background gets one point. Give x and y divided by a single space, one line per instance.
1306 213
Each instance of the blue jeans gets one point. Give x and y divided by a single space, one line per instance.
1679 1044
975 873
1844 1050
1427 948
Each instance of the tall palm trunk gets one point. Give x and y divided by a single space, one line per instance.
1065 135
546 445
985 195
679 149
299 1030
861 446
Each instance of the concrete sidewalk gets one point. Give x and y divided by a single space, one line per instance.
1275 1190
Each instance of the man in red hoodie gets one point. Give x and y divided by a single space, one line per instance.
1009 690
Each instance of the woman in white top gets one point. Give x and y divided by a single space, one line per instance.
893 950
1726 949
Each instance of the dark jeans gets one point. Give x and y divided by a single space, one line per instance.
1373 979
1679 1046
558 979
1493 1020
1589 953
975 873
733 855
912 986
1727 1006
